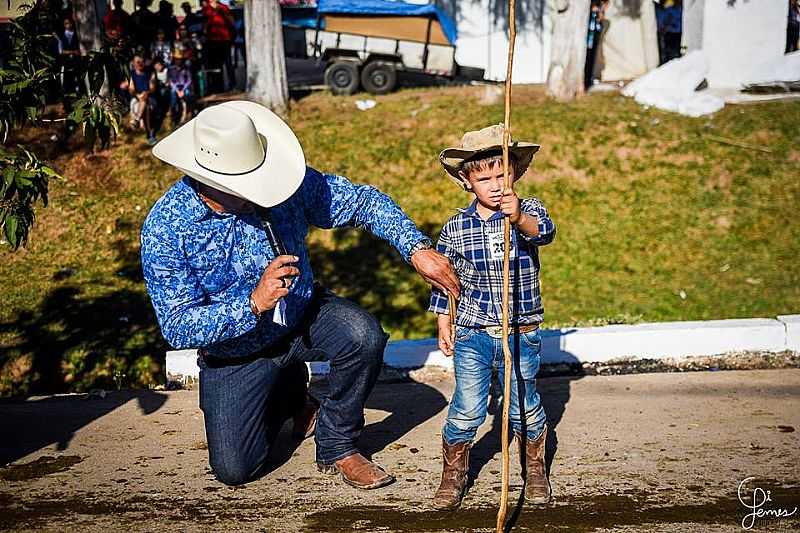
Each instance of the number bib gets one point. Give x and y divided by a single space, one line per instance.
497 246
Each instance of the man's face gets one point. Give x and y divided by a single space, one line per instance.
187 9
117 4
138 63
487 183
68 24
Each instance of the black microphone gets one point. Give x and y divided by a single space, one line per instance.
273 237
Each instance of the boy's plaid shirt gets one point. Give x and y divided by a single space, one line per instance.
475 247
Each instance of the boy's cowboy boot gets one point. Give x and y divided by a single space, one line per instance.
531 457
454 475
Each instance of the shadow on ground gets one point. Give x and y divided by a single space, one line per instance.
81 337
30 425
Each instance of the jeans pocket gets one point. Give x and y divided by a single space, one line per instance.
532 339
463 334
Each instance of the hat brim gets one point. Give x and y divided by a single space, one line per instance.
271 183
453 158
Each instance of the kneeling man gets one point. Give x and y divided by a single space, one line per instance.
227 269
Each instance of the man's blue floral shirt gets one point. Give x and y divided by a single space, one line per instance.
201 266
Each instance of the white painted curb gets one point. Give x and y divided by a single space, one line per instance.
590 345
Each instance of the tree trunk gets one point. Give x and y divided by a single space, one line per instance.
88 19
266 63
568 49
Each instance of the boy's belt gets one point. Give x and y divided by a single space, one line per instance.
497 331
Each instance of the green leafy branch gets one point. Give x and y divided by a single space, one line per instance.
25 181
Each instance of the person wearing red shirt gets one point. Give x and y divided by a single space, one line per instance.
219 32
116 22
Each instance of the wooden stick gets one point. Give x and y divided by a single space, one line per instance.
451 306
501 512
723 140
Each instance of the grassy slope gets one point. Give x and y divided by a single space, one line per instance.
648 209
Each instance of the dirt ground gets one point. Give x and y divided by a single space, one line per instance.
650 452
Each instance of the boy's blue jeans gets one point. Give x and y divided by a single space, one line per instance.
246 401
476 352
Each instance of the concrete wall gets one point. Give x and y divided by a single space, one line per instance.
693 12
630 44
483 42
740 36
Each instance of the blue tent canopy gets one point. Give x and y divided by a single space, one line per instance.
386 7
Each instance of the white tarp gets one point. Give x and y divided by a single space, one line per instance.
671 87
630 45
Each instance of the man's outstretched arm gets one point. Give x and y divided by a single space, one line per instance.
332 201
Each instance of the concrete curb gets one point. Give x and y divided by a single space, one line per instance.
590 345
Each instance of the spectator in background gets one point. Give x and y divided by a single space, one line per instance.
793 26
159 84
143 103
167 20
669 17
596 16
116 23
161 49
219 33
192 22
238 42
143 26
180 86
69 54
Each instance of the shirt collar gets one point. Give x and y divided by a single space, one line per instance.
195 206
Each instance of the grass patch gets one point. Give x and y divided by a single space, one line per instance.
656 222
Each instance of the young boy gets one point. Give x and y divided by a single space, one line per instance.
473 240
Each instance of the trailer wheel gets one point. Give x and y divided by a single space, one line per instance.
342 77
379 77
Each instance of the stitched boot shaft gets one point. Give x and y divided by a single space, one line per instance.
531 457
455 465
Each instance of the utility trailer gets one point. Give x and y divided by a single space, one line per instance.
364 44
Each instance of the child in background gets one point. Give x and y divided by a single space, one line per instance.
473 240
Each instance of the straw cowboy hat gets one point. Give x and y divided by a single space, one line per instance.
483 143
241 148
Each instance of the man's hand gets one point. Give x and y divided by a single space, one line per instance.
445 335
436 269
272 287
510 206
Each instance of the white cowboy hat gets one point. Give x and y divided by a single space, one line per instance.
241 148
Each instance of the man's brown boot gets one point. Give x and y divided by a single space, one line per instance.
455 466
359 472
531 457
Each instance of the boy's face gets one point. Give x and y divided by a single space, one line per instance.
487 183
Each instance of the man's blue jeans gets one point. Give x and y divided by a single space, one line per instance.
476 352
246 400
